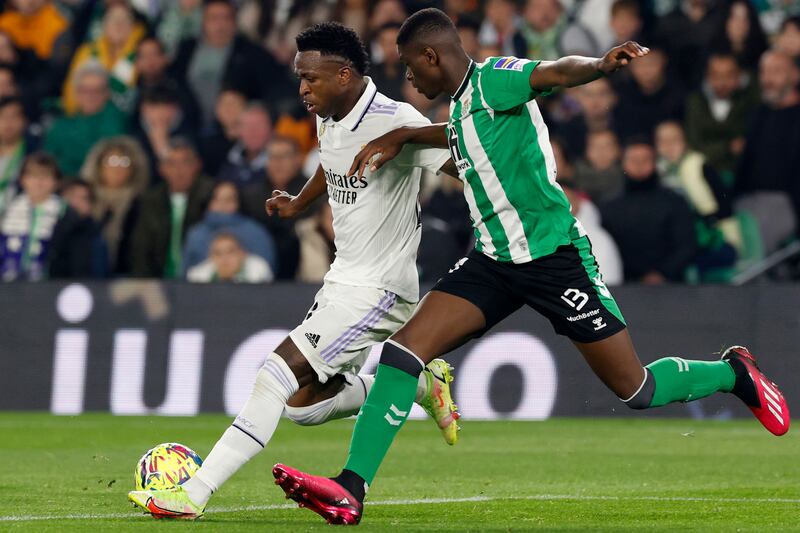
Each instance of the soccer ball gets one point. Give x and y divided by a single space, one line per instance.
165 466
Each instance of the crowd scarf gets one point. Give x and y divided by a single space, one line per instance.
25 235
9 175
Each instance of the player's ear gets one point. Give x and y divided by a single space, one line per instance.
430 55
345 73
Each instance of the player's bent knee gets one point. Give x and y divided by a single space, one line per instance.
311 415
643 396
275 378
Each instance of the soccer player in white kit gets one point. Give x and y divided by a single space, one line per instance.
371 289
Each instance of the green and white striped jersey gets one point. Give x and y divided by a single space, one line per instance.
501 147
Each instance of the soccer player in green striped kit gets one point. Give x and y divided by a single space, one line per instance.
529 250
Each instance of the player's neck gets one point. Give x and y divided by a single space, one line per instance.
454 71
350 100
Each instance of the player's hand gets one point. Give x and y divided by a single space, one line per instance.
283 204
621 56
378 152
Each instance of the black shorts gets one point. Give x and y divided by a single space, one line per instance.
565 286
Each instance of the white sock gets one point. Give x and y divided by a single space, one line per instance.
250 431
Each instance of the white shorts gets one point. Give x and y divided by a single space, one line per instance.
344 323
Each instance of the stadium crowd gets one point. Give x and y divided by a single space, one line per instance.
141 138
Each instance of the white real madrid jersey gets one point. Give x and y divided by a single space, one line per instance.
375 217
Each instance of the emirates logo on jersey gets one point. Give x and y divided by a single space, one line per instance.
344 189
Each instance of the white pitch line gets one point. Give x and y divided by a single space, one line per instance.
422 501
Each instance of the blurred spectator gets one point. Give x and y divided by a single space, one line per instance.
223 214
647 98
248 158
118 171
353 14
788 40
14 146
80 197
549 33
27 70
229 261
438 249
40 236
597 102
766 180
70 138
686 33
626 21
168 211
599 175
33 25
660 244
389 74
718 113
115 50
687 173
8 83
160 119
468 28
180 20
595 16
151 71
284 165
317 249
499 28
741 34
216 141
220 58
447 205
384 11
604 248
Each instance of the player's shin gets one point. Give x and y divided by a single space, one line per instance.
673 379
249 432
383 414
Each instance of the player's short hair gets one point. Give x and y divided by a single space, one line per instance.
424 23
334 39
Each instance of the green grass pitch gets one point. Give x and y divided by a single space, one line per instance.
72 474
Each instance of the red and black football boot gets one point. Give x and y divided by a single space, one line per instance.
757 391
324 496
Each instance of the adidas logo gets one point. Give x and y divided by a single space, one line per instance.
313 339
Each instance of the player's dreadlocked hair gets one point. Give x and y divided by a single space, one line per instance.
333 39
425 22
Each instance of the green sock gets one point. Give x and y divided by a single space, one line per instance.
679 380
381 417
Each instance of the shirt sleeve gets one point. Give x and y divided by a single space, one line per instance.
418 155
505 82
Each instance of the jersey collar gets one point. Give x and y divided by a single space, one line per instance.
356 115
465 81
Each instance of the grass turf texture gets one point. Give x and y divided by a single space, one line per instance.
568 475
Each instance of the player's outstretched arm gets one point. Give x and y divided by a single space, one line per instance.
287 206
380 151
576 70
